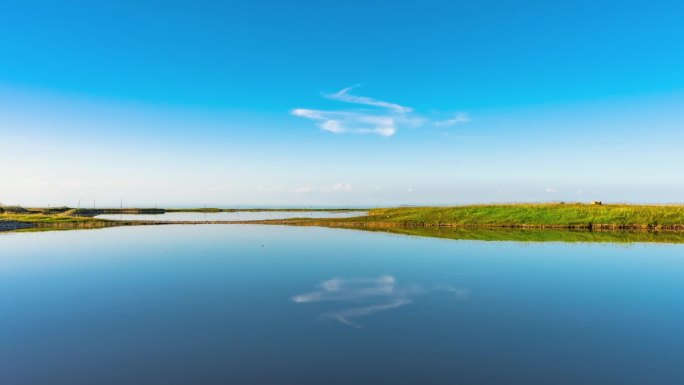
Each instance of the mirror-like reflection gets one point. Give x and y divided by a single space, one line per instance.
384 292
250 304
533 234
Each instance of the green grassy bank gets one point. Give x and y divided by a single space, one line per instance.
16 221
567 216
541 215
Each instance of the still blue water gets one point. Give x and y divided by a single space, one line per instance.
247 304
232 216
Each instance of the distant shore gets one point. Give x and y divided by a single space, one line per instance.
65 218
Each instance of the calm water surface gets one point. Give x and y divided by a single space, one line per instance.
241 304
233 216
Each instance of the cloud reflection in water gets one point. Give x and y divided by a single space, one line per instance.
383 289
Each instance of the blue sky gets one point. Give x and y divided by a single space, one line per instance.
341 103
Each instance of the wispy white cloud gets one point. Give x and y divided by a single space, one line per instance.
337 187
385 120
304 190
459 118
339 122
340 187
344 96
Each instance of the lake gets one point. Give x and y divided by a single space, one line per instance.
231 216
249 304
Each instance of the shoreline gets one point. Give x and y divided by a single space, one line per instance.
544 216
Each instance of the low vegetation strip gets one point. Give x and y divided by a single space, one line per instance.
570 216
541 215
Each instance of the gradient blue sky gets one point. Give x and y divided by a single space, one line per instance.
340 103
